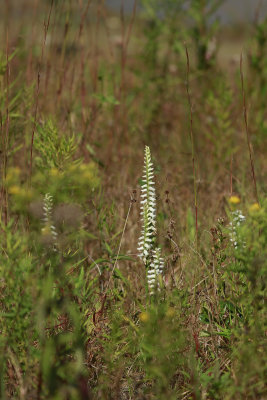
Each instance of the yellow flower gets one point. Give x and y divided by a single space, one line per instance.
144 316
254 207
234 200
15 189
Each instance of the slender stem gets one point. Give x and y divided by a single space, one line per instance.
46 26
231 176
126 34
247 130
192 139
6 140
119 249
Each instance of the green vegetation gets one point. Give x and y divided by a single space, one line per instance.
83 91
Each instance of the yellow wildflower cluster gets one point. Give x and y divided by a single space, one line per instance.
14 189
21 192
145 317
83 174
88 174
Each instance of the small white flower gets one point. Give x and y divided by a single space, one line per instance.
237 219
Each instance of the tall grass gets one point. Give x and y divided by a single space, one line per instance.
83 90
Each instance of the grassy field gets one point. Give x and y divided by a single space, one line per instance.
89 309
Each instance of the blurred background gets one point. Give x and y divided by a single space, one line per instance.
113 72
231 11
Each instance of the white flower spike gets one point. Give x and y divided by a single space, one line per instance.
48 225
147 250
237 219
